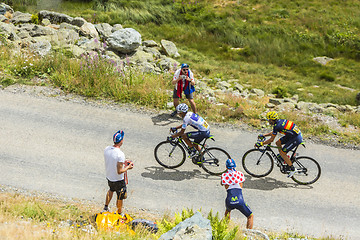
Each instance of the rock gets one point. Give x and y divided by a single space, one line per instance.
150 43
8 30
223 85
276 101
286 106
78 21
104 30
45 22
116 27
125 40
258 92
20 17
55 17
238 87
67 36
5 8
69 26
142 56
89 30
169 48
39 30
357 98
322 60
250 233
41 48
156 54
167 64
91 45
3 18
270 105
196 227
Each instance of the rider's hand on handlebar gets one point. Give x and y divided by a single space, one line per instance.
261 137
170 138
173 129
259 144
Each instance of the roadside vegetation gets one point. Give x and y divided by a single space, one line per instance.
265 45
47 218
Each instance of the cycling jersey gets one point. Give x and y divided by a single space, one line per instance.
286 127
195 121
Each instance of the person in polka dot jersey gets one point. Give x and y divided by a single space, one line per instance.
233 182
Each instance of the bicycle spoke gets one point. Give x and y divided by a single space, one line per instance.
308 170
213 160
257 162
169 155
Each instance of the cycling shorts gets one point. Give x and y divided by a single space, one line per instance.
119 187
290 142
235 200
188 96
198 136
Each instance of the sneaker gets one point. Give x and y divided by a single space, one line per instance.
173 114
106 209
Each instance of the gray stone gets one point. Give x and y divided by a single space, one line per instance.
156 54
45 22
270 105
142 56
41 48
238 87
167 64
116 27
187 228
67 36
76 50
78 21
5 8
223 85
258 92
150 43
125 40
89 30
3 18
104 30
55 17
39 30
276 101
91 45
69 26
322 60
7 29
251 233
286 106
146 67
21 18
169 48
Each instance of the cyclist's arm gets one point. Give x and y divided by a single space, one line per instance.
270 140
178 133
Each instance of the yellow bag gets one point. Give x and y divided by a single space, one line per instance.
113 221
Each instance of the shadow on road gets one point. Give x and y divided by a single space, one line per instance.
160 173
164 119
269 184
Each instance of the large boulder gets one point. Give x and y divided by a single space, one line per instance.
8 30
89 30
104 30
125 40
20 17
5 8
169 48
55 17
196 227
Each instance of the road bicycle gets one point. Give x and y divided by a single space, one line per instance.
172 153
259 162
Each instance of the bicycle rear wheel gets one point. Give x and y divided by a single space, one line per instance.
308 170
214 160
169 155
257 162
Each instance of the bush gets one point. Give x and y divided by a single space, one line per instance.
327 76
280 92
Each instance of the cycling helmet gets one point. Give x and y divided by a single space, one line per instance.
272 115
118 136
182 107
184 65
230 163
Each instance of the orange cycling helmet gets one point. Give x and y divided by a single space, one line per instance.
272 115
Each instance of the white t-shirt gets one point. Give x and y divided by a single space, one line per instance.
195 121
112 156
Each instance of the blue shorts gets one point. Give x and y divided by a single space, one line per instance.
290 142
198 136
235 200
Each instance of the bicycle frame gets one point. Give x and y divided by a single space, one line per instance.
202 144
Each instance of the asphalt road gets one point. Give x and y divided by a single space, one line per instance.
57 147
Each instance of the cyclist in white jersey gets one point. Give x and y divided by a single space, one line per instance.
197 122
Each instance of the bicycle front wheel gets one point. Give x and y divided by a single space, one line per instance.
169 155
308 170
214 160
257 162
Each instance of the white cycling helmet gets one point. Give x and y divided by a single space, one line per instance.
182 107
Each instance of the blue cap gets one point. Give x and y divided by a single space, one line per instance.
184 65
230 163
118 136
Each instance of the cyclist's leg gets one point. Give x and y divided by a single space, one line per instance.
290 145
198 137
286 141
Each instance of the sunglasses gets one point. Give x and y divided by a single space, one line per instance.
185 69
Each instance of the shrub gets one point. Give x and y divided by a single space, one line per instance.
280 92
327 76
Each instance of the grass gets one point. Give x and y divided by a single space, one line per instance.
46 218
